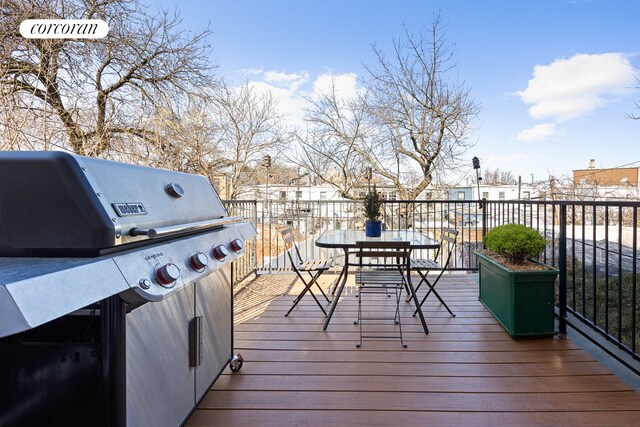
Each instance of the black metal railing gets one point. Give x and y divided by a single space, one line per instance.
593 244
311 218
247 264
595 247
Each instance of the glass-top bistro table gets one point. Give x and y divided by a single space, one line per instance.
346 240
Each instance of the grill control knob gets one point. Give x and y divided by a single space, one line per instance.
198 261
220 252
167 274
236 245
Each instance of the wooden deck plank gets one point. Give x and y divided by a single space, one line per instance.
466 371
322 418
425 401
423 345
454 384
531 356
391 367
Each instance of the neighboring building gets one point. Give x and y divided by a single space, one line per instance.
494 192
611 183
306 192
607 177
221 184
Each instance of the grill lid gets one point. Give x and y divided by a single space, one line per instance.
59 204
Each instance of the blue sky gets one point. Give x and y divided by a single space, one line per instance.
554 78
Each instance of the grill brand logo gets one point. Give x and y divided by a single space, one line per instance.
129 209
154 256
64 29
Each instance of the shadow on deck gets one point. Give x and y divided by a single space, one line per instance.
467 371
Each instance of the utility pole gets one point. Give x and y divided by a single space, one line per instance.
266 163
552 189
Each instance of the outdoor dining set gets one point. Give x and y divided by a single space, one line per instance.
381 265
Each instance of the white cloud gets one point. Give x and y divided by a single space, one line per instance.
346 85
291 81
538 132
290 103
570 88
291 90
252 71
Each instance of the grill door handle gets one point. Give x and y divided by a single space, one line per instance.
154 233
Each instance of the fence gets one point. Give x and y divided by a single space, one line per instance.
593 244
247 264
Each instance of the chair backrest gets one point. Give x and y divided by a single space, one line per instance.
290 246
448 240
392 254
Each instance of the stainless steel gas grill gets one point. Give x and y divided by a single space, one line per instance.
116 293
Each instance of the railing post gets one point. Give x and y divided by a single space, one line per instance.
483 208
562 266
255 239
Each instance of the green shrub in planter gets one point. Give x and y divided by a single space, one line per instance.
521 297
515 242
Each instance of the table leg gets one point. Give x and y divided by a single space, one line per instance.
344 274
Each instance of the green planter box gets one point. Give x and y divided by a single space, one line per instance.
522 301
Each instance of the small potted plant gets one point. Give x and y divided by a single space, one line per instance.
518 290
372 206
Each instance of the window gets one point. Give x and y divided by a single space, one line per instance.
501 195
283 195
485 195
461 195
298 194
323 195
526 195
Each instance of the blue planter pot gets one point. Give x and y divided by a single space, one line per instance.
373 228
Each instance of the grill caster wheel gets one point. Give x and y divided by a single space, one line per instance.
236 363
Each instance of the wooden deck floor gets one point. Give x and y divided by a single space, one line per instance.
467 371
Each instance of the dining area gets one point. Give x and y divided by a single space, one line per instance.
380 264
353 244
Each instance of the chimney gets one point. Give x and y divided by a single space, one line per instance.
592 163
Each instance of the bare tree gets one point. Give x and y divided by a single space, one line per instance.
334 147
423 118
411 123
222 138
636 116
93 96
496 176
186 138
251 126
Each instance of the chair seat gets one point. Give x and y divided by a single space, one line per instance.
315 265
425 264
379 277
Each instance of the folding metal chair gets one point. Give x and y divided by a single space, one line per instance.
314 267
448 240
389 272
